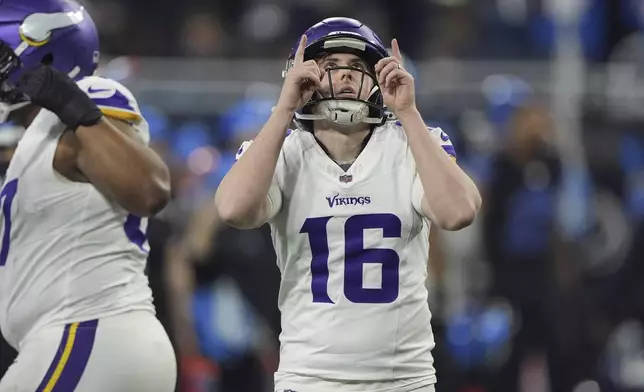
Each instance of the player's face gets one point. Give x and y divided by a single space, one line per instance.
346 82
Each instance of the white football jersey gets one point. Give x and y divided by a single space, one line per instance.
68 254
352 249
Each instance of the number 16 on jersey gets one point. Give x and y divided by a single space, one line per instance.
355 257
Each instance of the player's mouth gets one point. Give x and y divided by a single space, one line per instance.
347 92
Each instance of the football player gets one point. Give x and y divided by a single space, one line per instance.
350 195
74 299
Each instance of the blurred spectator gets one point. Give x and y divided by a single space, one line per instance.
202 35
224 288
521 240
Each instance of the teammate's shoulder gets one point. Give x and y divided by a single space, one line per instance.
288 140
113 98
101 82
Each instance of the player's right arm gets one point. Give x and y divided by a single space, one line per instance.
243 199
107 152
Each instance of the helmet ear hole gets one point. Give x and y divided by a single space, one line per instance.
48 59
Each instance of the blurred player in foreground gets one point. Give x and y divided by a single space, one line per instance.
74 298
350 197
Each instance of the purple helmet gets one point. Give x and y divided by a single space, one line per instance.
57 32
342 35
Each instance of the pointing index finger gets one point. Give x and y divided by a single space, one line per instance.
395 49
299 54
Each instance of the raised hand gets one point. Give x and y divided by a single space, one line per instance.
301 81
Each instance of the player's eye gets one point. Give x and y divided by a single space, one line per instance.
359 66
330 65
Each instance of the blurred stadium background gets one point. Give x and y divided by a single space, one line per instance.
544 101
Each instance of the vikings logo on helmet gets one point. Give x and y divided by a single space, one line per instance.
343 35
56 32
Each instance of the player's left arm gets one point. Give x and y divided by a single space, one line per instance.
108 153
450 198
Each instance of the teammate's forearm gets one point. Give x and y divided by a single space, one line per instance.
123 169
244 190
451 195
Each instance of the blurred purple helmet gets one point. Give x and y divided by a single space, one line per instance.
342 35
56 32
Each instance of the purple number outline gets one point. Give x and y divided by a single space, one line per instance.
6 198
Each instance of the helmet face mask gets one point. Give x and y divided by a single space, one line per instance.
343 35
9 61
342 107
9 101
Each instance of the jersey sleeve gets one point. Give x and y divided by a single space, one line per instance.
444 141
116 101
418 192
274 192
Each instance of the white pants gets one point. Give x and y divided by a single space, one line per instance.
130 352
285 382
